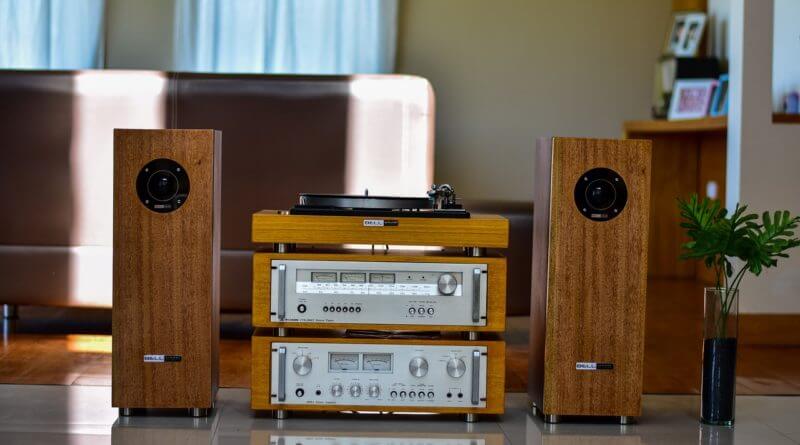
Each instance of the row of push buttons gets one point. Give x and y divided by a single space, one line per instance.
340 309
420 311
412 394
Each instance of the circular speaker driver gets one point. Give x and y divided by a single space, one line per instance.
600 194
162 185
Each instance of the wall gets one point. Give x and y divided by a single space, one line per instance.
139 34
762 157
508 71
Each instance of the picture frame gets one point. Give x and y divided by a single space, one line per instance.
685 35
691 98
719 103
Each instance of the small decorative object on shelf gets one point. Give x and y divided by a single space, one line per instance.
685 34
691 98
718 238
719 103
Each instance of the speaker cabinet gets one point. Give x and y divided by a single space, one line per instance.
591 207
166 268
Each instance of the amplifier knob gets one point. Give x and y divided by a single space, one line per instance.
447 284
336 390
456 368
355 390
374 390
301 365
418 367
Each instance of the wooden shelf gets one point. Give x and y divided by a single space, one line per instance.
679 126
783 118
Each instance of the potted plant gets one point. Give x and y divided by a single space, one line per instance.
732 245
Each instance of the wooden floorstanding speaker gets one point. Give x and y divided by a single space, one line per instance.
589 277
166 269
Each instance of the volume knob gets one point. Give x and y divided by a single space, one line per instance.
336 390
374 391
418 367
355 390
456 368
302 365
447 284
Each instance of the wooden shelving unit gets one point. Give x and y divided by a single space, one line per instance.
783 118
680 126
689 156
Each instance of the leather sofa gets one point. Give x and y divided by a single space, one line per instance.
281 135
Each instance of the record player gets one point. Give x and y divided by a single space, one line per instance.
433 220
440 203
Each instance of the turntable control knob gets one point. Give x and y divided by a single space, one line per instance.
301 365
355 390
336 390
447 284
418 367
374 390
456 368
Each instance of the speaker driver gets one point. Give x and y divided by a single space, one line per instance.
600 194
162 185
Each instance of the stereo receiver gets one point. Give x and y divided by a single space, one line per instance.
345 374
410 292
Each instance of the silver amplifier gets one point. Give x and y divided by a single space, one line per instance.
379 292
384 375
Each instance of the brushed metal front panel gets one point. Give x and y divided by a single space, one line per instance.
378 375
364 292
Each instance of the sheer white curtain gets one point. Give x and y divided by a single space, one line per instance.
286 36
51 34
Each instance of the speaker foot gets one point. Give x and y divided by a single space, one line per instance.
534 410
10 311
470 418
552 418
125 412
198 412
626 420
280 414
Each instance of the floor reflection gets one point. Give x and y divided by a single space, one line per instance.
167 427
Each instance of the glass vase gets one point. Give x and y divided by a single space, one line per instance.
721 325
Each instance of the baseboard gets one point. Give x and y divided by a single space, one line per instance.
769 329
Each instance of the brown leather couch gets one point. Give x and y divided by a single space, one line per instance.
281 135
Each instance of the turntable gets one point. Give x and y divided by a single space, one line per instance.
440 203
434 220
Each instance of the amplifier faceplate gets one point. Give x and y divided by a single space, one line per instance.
369 374
399 293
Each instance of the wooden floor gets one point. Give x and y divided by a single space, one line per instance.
72 347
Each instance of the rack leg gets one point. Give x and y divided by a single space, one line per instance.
476 251
470 418
552 418
280 414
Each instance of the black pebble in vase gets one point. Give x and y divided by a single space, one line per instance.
719 381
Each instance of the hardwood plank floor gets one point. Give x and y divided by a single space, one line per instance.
72 347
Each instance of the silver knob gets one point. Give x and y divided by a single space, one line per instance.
355 390
301 365
456 368
336 390
418 367
374 390
447 284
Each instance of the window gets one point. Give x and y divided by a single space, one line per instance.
51 34
286 36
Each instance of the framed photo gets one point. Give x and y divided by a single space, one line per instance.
719 103
691 98
685 34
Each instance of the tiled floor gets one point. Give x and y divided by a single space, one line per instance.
83 415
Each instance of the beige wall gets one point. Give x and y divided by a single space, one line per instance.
139 34
508 71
